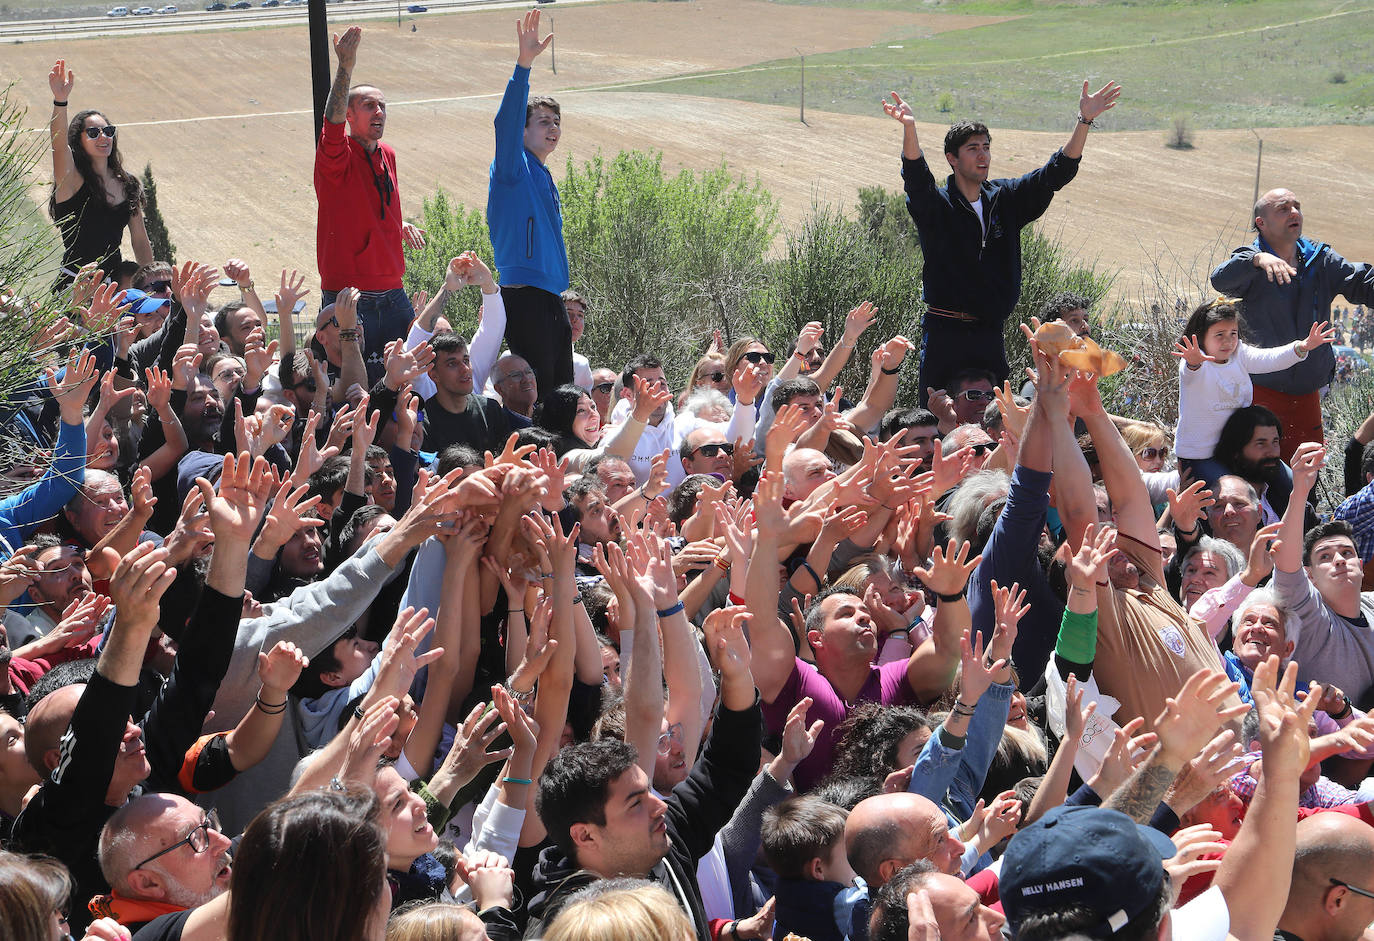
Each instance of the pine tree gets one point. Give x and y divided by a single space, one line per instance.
163 247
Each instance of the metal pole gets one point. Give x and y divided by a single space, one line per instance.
553 48
398 14
1259 160
320 78
803 84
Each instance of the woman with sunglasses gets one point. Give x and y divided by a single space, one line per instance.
747 350
94 198
1150 445
708 373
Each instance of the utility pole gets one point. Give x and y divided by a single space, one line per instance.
803 84
1259 159
398 14
320 79
553 48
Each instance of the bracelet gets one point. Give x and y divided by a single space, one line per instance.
544 575
732 930
249 287
734 598
358 713
1345 711
349 335
957 596
516 781
647 498
812 572
517 695
58 104
336 785
669 612
271 709
892 372
959 709
520 611
1083 120
721 563
800 355
577 598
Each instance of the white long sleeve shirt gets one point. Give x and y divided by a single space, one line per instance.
1209 394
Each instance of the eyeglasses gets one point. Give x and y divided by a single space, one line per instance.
981 449
198 839
666 740
756 357
1150 454
714 376
153 287
711 450
520 374
331 322
1343 885
975 395
603 387
94 132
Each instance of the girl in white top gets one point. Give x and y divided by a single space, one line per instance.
1214 378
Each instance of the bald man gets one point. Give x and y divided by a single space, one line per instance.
1288 283
887 832
1332 895
803 470
160 853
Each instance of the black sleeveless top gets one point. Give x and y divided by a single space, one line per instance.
91 230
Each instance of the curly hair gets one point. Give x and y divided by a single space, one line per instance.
866 742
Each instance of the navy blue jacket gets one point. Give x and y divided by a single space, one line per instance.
966 270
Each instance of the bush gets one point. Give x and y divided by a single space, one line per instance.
946 103
449 231
1337 78
1180 135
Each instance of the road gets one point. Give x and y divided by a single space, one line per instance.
199 20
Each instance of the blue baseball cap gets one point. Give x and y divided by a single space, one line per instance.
1089 856
141 303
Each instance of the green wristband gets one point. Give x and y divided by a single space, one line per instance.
1077 637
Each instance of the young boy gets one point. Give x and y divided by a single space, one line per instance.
526 221
803 841
341 673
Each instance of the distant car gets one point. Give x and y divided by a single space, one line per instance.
215 7
118 11
143 11
169 8
241 5
417 8
293 3
270 3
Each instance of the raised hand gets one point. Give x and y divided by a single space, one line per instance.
106 307
406 365
468 755
1201 775
749 382
1087 567
61 80
1190 351
292 290
1259 561
648 397
138 584
1194 715
1124 755
788 425
1307 465
346 46
891 354
369 740
949 569
539 649
1320 334
281 667
71 392
977 673
1090 106
1075 716
1191 843
941 403
527 35
726 643
17 573
1191 505
1009 608
899 110
237 270
289 515
244 488
1284 744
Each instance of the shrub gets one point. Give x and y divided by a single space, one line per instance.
1180 136
946 103
164 249
1337 78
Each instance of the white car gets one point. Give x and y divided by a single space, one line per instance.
169 8
143 11
118 11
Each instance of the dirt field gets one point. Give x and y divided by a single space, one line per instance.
225 119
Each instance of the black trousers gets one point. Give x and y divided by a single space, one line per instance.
538 331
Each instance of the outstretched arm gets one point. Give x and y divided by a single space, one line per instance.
1090 107
899 110
346 48
60 80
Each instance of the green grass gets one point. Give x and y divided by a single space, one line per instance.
1222 65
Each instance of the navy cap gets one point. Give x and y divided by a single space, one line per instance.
1087 856
140 303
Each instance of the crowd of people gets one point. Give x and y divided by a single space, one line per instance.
407 634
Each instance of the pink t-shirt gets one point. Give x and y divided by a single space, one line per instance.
886 684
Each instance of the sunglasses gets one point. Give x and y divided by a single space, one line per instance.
756 357
1343 885
714 376
711 450
981 449
94 132
603 387
152 287
975 395
1150 454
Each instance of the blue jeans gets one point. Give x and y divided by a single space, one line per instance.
383 316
